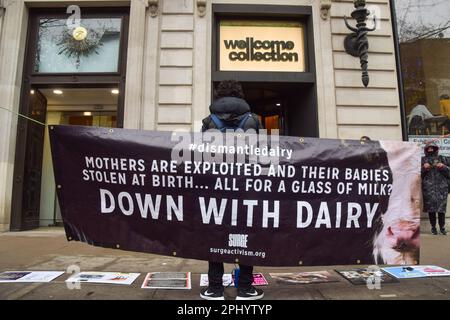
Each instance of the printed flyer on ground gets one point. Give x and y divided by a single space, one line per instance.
104 277
433 271
230 197
228 280
258 279
364 275
406 272
304 277
29 276
167 280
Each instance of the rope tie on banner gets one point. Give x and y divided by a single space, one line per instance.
23 116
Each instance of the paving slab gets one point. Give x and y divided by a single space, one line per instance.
48 249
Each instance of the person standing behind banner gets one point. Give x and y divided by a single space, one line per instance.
435 188
229 110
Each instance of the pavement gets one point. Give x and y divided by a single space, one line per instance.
47 250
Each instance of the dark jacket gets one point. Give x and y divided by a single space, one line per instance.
434 181
231 110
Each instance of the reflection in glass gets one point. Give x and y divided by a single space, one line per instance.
424 31
91 47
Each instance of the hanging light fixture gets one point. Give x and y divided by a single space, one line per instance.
79 33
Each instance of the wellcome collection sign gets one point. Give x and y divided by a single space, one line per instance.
261 46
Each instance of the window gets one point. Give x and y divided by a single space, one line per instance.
93 46
424 31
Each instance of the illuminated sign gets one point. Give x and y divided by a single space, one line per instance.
262 46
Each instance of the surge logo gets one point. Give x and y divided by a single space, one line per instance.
269 50
238 240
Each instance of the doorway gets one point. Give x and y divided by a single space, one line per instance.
73 75
71 106
290 108
247 46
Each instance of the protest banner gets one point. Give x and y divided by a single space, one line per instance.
252 199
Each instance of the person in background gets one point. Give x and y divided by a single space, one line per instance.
417 116
435 174
444 104
420 110
229 110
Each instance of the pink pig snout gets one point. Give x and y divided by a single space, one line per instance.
404 235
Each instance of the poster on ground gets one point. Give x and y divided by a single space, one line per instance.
408 272
240 198
433 271
228 280
258 280
167 280
363 276
104 277
304 277
29 276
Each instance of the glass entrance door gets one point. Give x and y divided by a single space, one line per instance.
71 106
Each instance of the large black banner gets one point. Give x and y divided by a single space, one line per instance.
252 199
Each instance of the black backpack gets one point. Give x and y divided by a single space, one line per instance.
223 126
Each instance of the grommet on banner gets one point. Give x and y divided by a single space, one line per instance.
111 131
59 186
300 262
174 253
302 140
51 127
69 238
117 246
358 261
237 260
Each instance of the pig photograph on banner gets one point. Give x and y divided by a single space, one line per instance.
254 199
398 240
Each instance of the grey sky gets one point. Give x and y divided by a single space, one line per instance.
424 13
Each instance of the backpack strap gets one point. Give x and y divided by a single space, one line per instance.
244 119
217 122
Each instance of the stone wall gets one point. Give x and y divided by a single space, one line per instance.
372 111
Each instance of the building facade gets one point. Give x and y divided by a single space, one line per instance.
153 64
